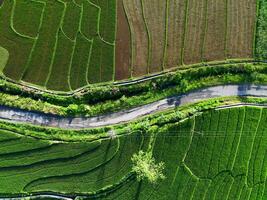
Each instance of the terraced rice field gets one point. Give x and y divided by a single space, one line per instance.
60 45
64 45
220 154
173 33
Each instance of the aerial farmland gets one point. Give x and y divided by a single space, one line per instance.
133 99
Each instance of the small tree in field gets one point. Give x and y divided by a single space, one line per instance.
146 168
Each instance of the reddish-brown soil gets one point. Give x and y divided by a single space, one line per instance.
123 44
240 28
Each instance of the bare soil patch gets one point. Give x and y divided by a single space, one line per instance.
139 36
155 16
195 31
176 22
214 47
240 28
123 44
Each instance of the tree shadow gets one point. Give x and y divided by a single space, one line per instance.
138 191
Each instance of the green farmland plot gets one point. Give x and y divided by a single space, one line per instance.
217 155
64 45
220 154
53 43
31 165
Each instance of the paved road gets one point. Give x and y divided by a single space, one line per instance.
17 115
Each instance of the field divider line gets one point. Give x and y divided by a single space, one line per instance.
223 185
77 173
76 3
262 179
226 29
184 187
12 23
90 52
235 135
254 45
190 172
88 62
204 34
99 36
131 68
166 33
192 131
184 31
252 146
35 42
225 138
194 190
98 25
115 39
250 191
205 148
74 47
71 61
85 171
149 50
214 145
239 139
86 38
56 44
65 35
218 186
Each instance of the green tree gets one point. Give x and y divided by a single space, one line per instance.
146 168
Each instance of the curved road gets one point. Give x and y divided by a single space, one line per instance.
23 116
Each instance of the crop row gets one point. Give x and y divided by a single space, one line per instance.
172 33
30 165
64 46
219 154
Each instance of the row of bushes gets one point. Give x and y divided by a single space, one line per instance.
143 125
261 35
116 98
97 94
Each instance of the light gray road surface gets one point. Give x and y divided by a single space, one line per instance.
23 116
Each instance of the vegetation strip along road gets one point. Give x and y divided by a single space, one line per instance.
23 116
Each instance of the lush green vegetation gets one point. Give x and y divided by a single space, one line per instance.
190 152
98 100
214 154
217 155
51 45
261 37
4 57
69 44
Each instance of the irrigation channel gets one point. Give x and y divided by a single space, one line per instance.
37 118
